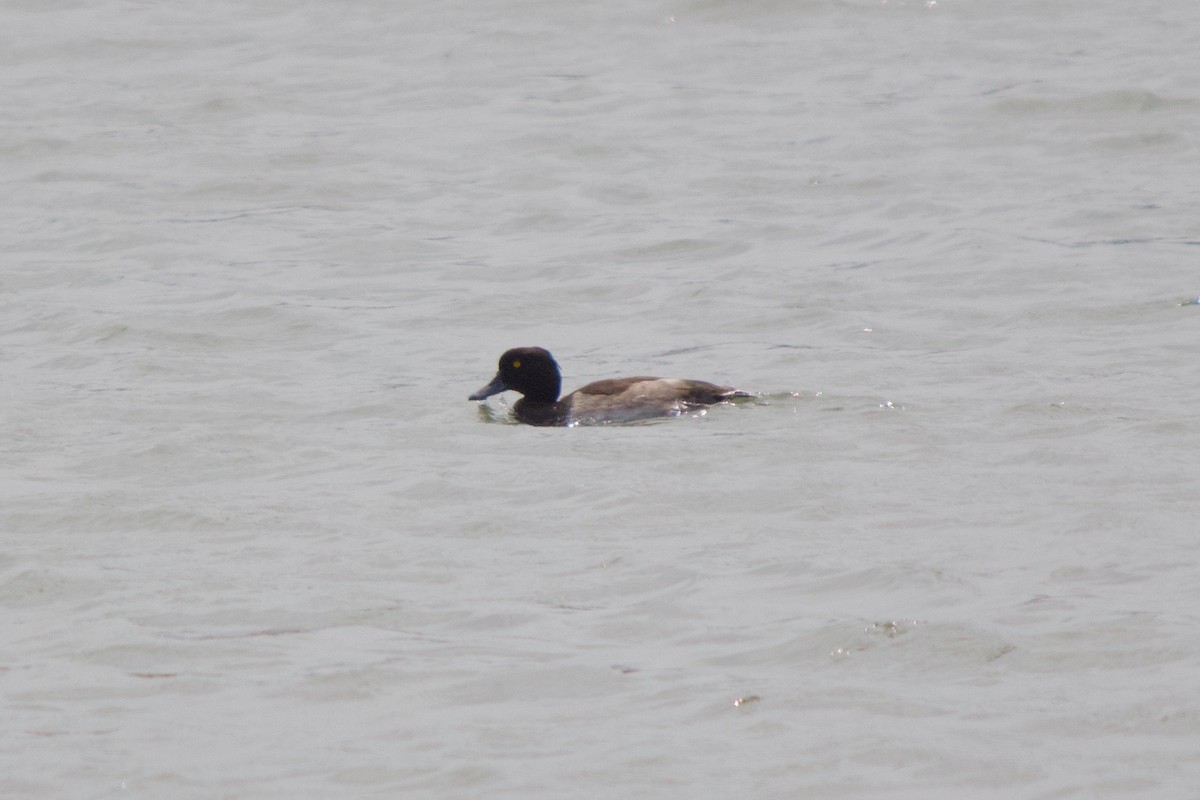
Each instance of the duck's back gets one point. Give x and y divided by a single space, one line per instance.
640 397
644 387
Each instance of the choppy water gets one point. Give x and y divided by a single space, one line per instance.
256 543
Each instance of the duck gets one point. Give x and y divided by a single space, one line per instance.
534 373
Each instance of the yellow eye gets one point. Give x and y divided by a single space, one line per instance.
516 365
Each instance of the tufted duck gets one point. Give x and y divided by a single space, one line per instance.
533 372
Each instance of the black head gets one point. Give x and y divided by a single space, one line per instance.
528 370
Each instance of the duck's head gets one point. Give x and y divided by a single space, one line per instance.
531 371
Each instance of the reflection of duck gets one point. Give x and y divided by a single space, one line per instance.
533 372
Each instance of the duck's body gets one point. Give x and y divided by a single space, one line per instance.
533 372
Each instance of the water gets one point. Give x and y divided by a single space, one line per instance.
257 544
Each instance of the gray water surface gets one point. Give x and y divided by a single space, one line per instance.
257 544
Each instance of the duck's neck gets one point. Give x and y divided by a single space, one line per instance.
545 398
546 391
